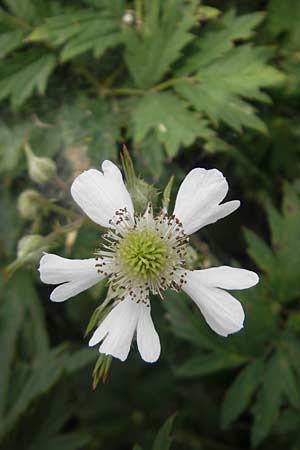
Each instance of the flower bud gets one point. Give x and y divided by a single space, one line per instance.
30 247
28 204
40 169
142 193
128 17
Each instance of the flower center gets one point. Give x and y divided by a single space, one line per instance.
143 253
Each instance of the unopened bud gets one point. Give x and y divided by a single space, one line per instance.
142 193
40 169
128 17
28 204
30 247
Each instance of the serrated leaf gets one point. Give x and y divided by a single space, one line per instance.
92 125
262 320
24 9
189 325
267 406
19 79
152 155
151 50
219 37
80 32
217 90
10 41
283 16
11 146
259 251
240 392
291 382
209 363
284 271
163 440
168 116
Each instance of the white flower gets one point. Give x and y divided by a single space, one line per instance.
146 254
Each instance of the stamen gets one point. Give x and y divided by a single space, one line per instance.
144 254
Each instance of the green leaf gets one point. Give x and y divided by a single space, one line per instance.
163 440
293 352
24 9
11 146
19 79
219 37
79 32
286 244
168 116
11 319
151 50
267 406
209 363
80 359
89 129
262 322
240 392
10 41
259 251
218 88
283 16
188 324
34 330
151 153
46 373
291 381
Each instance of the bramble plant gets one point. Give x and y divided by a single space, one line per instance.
184 84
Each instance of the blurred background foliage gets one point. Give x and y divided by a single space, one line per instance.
182 84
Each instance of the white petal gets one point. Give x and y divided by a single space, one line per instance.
147 337
223 313
198 198
117 330
67 290
100 195
76 274
227 277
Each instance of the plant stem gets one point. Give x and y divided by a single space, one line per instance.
61 184
168 83
121 91
138 8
